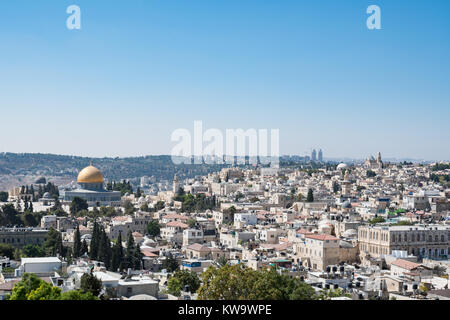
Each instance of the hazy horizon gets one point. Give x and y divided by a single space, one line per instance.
329 158
137 71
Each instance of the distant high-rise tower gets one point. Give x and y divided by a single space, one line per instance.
320 155
379 157
314 155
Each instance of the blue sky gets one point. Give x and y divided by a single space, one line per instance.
139 69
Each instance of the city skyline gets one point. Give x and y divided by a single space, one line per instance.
134 73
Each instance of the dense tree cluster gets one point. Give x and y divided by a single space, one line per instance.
377 220
78 204
153 228
370 174
114 257
197 203
124 187
440 166
33 288
10 216
443 179
241 283
181 280
3 196
50 248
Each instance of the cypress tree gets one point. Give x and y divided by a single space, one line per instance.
104 249
138 257
117 255
130 253
84 248
93 254
310 197
77 243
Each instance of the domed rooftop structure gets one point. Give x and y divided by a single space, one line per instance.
350 233
41 180
46 195
346 205
142 297
342 166
90 174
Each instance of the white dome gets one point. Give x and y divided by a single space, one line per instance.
342 166
142 297
350 233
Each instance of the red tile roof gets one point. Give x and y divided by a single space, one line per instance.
321 237
148 253
198 247
303 231
177 224
405 264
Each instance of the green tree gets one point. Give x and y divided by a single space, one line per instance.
104 248
95 241
53 243
91 284
370 174
77 243
78 204
33 288
160 205
77 295
153 228
310 196
137 260
130 253
240 283
129 207
84 247
117 255
4 196
170 263
29 219
191 223
45 292
222 261
335 186
377 220
182 278
6 250
9 215
32 251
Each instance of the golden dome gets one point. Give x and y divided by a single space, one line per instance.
90 175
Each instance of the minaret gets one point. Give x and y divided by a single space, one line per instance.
379 158
176 184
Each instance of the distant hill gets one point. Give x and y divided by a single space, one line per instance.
50 165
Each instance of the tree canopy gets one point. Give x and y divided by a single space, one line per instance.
241 283
33 288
